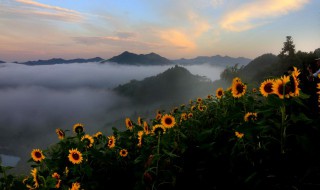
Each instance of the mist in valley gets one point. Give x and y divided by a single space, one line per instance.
35 100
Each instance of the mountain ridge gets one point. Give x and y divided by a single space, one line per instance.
54 61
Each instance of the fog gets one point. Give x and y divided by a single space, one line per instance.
35 100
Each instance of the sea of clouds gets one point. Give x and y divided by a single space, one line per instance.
35 100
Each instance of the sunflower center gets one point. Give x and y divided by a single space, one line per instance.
168 121
268 88
38 154
220 93
239 88
75 156
79 129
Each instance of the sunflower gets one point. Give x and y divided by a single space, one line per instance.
168 121
78 128
192 108
57 177
199 100
75 156
123 152
158 129
190 115
238 88
111 141
294 86
209 97
146 128
158 116
88 140
202 107
266 87
60 134
129 124
250 116
139 121
281 88
75 186
254 90
98 135
140 134
295 73
184 116
34 173
236 80
37 155
239 135
219 93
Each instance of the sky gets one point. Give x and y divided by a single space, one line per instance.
44 29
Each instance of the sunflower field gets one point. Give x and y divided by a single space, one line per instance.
246 138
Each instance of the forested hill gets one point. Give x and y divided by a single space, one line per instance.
141 59
176 84
62 61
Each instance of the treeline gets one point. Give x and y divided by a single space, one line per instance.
270 66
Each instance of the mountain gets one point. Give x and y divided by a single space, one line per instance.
2 61
176 84
141 59
214 60
61 61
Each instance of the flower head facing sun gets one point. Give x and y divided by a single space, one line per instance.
111 141
168 121
123 152
250 116
158 129
281 88
266 87
129 124
37 155
219 93
98 135
60 134
146 128
75 156
88 140
238 88
78 128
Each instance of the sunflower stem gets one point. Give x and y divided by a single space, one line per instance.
283 128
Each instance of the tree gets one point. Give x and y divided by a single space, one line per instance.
288 49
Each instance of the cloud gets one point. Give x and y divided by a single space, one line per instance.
48 11
257 13
177 39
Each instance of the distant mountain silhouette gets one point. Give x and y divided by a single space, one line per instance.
61 61
176 84
141 59
2 61
214 60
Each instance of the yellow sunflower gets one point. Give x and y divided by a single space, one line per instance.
123 152
75 186
239 135
168 121
158 129
129 124
250 116
60 134
56 176
140 134
192 108
190 115
88 140
202 107
184 116
158 116
78 128
281 88
37 155
266 87
295 73
98 135
209 97
219 93
238 89
139 121
111 141
146 128
254 90
34 174
75 156
294 86
199 100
